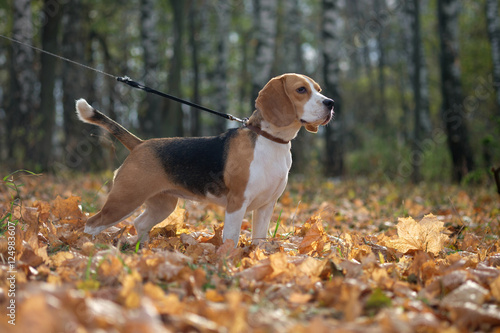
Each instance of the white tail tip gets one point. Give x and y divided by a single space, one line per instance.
84 110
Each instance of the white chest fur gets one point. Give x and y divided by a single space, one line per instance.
268 173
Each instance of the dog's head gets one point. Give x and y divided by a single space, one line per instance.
294 98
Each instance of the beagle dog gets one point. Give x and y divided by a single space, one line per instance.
245 169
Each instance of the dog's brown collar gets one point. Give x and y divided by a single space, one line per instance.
259 131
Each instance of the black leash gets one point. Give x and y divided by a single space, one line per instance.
134 84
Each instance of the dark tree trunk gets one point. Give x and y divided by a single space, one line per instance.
52 18
380 7
194 30
493 21
417 82
334 145
452 111
79 145
173 122
21 128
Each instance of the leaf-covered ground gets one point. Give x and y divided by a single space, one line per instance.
350 257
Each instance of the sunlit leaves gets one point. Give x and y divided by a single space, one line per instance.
343 262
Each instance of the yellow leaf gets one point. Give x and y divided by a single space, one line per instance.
311 266
130 290
426 235
278 263
299 298
60 257
132 300
54 279
495 288
165 304
88 285
213 296
170 225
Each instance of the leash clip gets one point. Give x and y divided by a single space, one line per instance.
123 79
231 117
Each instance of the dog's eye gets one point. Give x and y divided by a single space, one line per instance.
302 90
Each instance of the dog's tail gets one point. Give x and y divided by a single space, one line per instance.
88 114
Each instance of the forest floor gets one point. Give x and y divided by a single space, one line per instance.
355 256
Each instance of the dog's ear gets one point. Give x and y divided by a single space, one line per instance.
311 128
274 103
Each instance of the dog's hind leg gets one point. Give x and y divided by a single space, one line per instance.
115 210
130 190
158 208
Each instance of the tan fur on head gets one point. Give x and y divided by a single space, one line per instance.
84 110
275 104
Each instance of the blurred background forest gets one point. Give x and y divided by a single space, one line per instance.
416 82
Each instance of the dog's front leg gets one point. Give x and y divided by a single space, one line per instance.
232 225
260 222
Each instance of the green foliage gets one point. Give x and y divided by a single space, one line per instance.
10 182
377 300
113 31
375 159
275 232
89 199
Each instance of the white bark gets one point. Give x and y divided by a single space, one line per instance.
265 27
414 49
292 40
493 20
149 114
220 75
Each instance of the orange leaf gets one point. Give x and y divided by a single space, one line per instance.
68 210
313 240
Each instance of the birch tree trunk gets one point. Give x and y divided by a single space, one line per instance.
50 31
292 62
418 76
150 119
334 144
265 33
493 21
21 133
173 121
220 74
452 110
292 44
417 68
380 7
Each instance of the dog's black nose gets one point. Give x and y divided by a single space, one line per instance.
328 103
